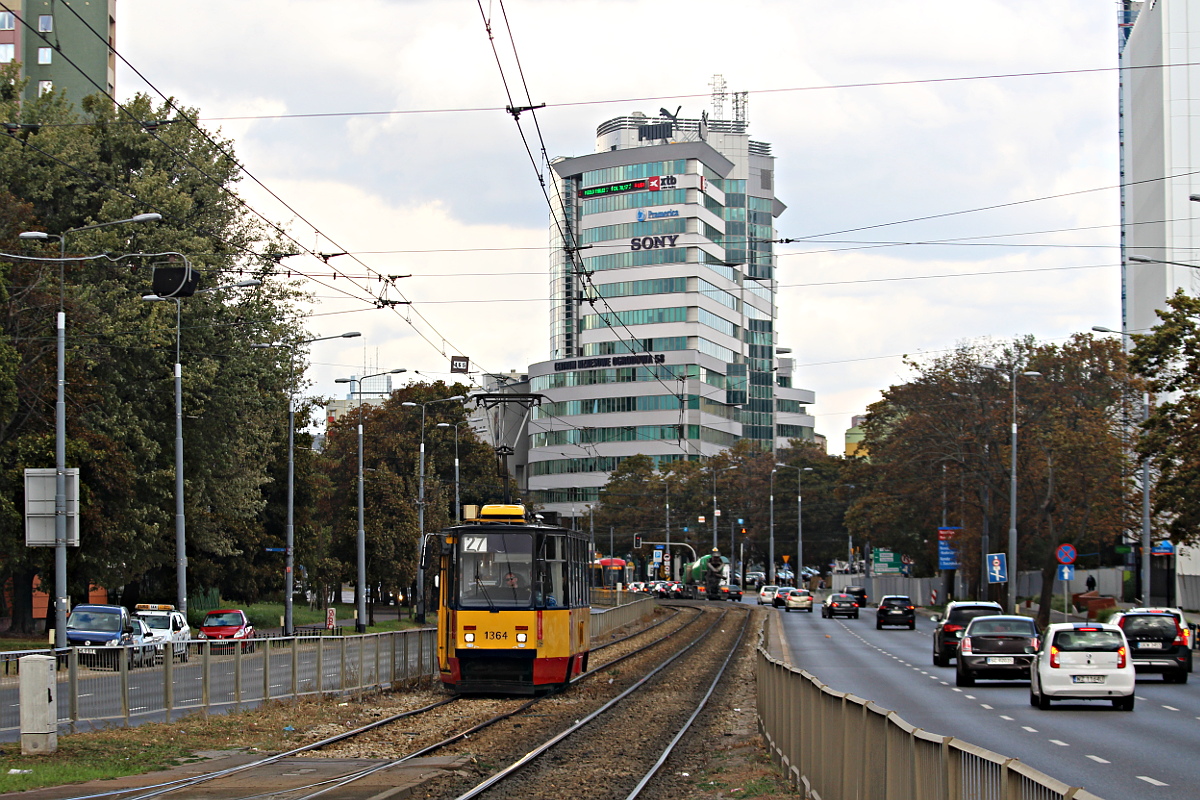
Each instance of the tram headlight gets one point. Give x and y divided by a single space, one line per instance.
522 638
468 637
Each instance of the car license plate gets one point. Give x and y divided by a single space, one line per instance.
895 611
87 651
1150 646
1087 679
1000 660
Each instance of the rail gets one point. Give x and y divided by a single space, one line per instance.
215 676
834 745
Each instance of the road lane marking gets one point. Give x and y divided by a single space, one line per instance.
985 705
944 683
1170 708
1002 716
1099 760
1031 730
1151 781
969 696
1059 742
958 690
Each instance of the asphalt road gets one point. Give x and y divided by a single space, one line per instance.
1149 753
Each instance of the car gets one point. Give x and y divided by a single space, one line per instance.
948 628
779 599
93 627
766 595
224 626
675 590
730 591
858 593
166 626
634 586
1183 626
840 604
999 646
1082 661
1156 644
800 599
896 609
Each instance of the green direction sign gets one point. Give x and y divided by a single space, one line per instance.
1123 548
886 562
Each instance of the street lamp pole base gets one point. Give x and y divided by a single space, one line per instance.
360 627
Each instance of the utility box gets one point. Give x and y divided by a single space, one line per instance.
39 709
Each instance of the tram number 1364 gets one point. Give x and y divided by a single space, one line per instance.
495 635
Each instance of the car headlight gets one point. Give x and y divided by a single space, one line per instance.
468 637
522 638
201 635
113 643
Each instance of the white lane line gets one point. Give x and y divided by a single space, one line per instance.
957 690
1170 708
944 683
1099 760
1059 742
934 678
969 696
1031 730
985 705
1002 716
1151 781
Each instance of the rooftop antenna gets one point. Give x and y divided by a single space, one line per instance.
718 96
740 101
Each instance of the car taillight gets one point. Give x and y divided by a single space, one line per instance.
1121 657
966 645
911 608
854 604
1180 637
1054 657
1035 643
950 628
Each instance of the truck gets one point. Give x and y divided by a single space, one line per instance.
696 577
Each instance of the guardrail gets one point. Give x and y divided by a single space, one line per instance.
213 680
836 746
606 620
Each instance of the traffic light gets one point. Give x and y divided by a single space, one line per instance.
743 531
637 541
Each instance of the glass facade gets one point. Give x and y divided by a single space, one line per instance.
598 177
640 258
640 316
629 230
624 202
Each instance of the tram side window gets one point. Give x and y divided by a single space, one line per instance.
495 570
553 590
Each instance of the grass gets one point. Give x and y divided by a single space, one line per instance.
119 752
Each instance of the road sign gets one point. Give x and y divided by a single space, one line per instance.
1065 554
886 562
997 568
330 618
275 549
658 554
1066 572
1163 548
947 552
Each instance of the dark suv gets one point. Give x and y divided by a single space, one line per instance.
949 629
1156 644
858 593
895 609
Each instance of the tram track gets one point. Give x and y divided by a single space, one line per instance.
495 711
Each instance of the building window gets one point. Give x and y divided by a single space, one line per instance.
8 21
7 53
45 55
44 87
45 23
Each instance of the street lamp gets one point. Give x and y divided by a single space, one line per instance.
1146 547
1012 489
1145 260
714 496
60 424
421 508
289 528
457 507
360 622
799 518
180 522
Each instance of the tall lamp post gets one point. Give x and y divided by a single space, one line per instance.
421 508
1146 546
715 518
1013 574
799 518
289 529
180 520
360 612
60 424
457 505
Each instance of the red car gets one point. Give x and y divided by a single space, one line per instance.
226 625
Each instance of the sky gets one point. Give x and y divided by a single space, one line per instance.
376 128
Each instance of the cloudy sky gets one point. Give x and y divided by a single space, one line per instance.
380 124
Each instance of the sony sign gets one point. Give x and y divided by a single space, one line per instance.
652 242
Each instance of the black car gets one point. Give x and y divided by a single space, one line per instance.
858 593
896 609
949 629
843 605
1156 644
731 591
999 646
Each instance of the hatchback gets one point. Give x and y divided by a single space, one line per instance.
799 599
1183 626
223 626
766 595
1157 644
896 609
1082 661
949 629
999 646
839 605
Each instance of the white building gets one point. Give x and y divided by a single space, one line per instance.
663 307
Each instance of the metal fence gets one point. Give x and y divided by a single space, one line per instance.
836 746
606 620
218 677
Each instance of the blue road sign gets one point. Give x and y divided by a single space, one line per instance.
1065 554
275 549
1066 572
997 568
1163 548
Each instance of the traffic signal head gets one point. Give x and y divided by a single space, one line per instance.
637 541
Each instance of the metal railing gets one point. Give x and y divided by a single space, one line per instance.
607 620
836 746
218 676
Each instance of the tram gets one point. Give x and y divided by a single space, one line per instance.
607 573
514 613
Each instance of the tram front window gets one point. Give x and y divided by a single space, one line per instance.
495 570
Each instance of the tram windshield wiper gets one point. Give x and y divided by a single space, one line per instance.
483 590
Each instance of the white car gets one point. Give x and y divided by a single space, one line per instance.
766 595
166 625
1082 661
